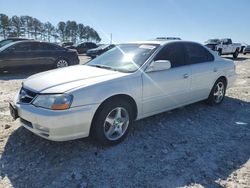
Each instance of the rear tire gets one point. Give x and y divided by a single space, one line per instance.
112 121
217 93
235 54
61 63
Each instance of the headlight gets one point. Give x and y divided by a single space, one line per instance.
54 102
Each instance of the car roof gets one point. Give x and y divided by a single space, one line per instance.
161 42
35 41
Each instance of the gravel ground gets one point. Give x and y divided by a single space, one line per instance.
193 146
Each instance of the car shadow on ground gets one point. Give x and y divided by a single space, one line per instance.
194 144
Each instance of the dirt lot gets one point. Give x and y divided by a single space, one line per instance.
193 146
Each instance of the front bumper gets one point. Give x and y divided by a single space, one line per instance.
60 125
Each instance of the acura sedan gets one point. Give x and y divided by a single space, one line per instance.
30 53
129 82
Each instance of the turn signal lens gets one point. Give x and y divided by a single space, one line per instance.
60 106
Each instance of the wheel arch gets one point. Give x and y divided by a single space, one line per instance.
124 97
61 57
222 78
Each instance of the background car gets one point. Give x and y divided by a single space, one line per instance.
246 50
99 50
83 47
212 43
10 40
27 53
68 43
168 38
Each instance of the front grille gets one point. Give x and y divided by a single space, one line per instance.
26 96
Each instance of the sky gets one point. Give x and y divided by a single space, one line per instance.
130 20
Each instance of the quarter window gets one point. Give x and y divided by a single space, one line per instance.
174 52
197 54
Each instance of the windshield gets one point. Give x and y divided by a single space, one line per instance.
5 42
6 46
124 57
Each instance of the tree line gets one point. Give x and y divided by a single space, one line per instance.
33 28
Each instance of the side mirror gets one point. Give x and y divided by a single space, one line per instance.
159 65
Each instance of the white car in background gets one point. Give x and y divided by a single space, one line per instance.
129 82
227 47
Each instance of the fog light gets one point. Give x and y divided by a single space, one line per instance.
41 128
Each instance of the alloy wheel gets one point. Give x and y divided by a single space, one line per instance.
116 123
219 92
62 63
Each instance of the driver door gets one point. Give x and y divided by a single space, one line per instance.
166 89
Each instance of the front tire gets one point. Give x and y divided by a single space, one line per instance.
112 122
217 93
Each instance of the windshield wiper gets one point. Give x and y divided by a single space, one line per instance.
104 67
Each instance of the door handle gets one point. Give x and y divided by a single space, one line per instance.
185 76
215 69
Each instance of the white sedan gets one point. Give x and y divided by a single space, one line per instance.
129 82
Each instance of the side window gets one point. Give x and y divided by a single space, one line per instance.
44 47
92 45
174 52
83 45
21 47
197 54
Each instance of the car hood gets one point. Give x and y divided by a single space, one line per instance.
65 79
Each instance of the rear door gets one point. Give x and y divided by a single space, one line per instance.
168 88
44 53
204 70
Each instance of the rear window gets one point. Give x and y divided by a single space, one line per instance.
197 54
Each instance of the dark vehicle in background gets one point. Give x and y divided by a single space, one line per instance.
68 43
243 46
168 38
99 50
246 50
29 53
10 40
212 43
83 47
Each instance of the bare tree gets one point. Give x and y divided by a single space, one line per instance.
61 27
16 25
4 24
34 28
49 28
